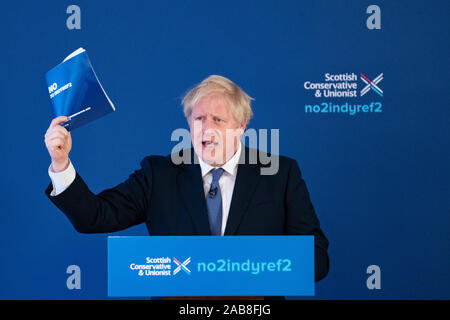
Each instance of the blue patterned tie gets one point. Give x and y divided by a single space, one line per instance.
214 203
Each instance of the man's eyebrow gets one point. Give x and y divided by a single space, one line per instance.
210 114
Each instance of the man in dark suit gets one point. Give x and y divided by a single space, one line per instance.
217 188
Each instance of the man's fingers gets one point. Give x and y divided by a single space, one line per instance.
52 136
57 129
55 134
58 120
57 138
56 142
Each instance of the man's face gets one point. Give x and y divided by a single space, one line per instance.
214 130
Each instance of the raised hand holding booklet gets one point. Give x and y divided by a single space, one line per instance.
76 92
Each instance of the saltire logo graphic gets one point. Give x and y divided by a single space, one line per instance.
182 266
371 84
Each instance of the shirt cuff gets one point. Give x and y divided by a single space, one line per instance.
61 180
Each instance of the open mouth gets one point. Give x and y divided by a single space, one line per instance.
209 143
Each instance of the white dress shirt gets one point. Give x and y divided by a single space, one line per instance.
62 180
226 182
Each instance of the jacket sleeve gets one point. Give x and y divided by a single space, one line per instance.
111 210
301 219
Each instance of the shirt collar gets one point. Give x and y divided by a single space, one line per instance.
230 166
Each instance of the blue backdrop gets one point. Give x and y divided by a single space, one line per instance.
379 181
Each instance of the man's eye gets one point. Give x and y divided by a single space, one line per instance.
218 120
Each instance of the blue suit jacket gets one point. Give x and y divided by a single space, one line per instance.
170 199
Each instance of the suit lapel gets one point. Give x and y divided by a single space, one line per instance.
246 181
190 186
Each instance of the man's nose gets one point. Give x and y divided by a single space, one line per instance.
207 124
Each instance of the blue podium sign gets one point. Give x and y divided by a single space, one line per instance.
210 266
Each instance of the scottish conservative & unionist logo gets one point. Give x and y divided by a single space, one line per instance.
345 93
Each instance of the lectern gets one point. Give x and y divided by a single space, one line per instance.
173 266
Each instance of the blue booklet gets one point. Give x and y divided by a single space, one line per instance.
76 92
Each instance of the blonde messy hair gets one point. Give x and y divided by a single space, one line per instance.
214 84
